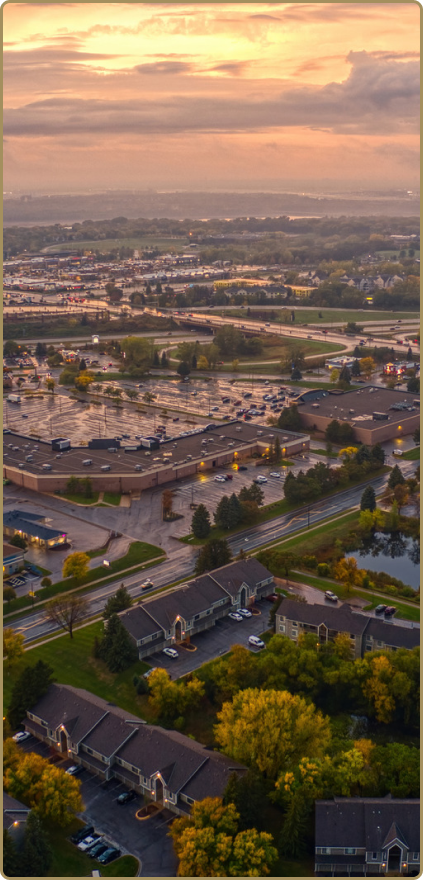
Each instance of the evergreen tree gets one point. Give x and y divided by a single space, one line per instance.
200 524
222 516
118 602
362 454
36 855
235 510
290 418
355 369
413 385
82 366
32 684
183 369
194 362
164 361
377 455
213 555
345 376
395 477
248 794
116 649
296 374
156 359
368 499
11 861
252 493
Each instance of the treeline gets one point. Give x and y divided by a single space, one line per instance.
322 478
230 512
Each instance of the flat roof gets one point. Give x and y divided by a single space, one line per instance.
228 436
364 402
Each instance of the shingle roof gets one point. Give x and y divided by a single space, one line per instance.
139 622
212 777
365 822
392 635
341 619
29 524
154 750
232 576
191 599
108 735
9 550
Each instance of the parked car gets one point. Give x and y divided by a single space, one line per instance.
260 479
242 467
245 612
97 850
171 652
109 856
219 479
149 671
82 833
331 596
88 842
273 597
126 796
255 642
380 609
228 476
21 736
234 615
275 474
390 611
74 770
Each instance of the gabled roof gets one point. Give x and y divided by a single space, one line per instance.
366 822
30 524
231 577
394 834
188 600
392 634
341 619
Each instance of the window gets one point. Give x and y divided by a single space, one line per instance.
294 623
416 856
352 636
196 617
44 723
89 751
282 627
135 770
189 800
119 761
374 856
349 850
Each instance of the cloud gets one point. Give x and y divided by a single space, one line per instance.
379 96
235 68
165 67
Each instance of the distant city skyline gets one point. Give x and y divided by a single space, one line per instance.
201 96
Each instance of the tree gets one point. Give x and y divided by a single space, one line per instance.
169 698
347 572
183 369
210 845
290 418
167 502
66 611
271 729
164 361
413 385
47 789
377 455
11 861
119 602
8 594
367 366
50 385
200 523
18 541
396 478
252 493
139 352
368 499
296 374
214 554
76 565
37 854
401 495
32 684
248 793
345 376
222 515
277 451
116 648
355 369
416 437
13 650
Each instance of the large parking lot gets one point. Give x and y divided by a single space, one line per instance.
147 840
215 641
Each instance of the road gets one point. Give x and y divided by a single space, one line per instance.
182 557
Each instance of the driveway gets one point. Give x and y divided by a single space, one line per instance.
214 642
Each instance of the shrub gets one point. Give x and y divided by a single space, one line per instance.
46 582
323 569
310 561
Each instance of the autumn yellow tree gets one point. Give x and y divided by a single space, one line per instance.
271 729
347 573
209 844
377 688
12 647
47 789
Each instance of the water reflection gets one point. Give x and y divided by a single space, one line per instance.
376 551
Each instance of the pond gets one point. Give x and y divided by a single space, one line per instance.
397 555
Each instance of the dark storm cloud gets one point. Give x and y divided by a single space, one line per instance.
379 96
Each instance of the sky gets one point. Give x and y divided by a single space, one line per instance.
210 96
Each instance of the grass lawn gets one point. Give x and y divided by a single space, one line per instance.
112 498
412 454
141 242
78 499
73 663
328 316
69 861
324 452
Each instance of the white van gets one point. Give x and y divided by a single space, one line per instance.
397 452
256 642
87 462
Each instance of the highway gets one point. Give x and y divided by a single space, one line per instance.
181 561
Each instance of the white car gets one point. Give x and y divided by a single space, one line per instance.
234 615
21 736
275 474
74 770
260 479
219 479
88 842
171 652
331 596
245 612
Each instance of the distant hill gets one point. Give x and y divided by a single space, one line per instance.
198 206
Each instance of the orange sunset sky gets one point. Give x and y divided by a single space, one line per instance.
192 96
